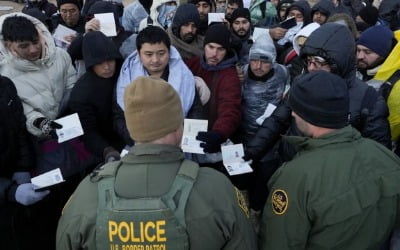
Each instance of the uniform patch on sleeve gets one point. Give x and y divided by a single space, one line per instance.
280 201
242 202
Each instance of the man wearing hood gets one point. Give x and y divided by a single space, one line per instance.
92 96
321 11
183 31
203 7
217 69
241 30
161 14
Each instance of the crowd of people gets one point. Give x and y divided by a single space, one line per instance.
308 87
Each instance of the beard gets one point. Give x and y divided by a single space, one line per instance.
188 38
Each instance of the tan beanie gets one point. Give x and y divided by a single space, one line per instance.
152 109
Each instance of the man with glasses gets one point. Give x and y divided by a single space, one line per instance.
69 16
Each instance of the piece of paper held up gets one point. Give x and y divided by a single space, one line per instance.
107 23
216 18
267 113
191 127
61 32
71 128
232 159
47 179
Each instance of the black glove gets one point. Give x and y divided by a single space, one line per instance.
110 154
47 126
212 141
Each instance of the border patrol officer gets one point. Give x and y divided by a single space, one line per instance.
340 191
153 198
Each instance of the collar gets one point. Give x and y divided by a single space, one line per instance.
345 134
153 153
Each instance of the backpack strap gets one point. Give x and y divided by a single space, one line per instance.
387 86
368 102
178 195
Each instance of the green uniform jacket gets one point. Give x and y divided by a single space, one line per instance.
216 217
339 192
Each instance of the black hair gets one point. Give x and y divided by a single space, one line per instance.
238 2
152 34
19 28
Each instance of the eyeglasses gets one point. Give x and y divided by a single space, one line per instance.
317 61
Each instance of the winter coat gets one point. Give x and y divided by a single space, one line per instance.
332 195
92 95
224 113
154 12
256 13
16 154
324 6
133 14
179 77
256 95
333 42
389 12
43 85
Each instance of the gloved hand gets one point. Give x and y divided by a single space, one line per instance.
21 177
47 126
26 195
212 141
110 154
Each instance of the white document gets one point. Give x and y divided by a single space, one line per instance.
191 127
61 32
216 17
71 128
267 113
232 159
47 179
107 23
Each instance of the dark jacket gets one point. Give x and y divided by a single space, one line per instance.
44 6
323 6
333 42
389 11
79 27
92 95
224 105
16 154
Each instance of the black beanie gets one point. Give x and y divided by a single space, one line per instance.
185 13
218 33
240 12
197 1
61 2
321 98
369 14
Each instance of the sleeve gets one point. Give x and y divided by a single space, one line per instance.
119 123
285 223
4 187
377 126
228 103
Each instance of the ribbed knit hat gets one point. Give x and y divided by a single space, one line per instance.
218 33
377 38
240 12
320 98
152 109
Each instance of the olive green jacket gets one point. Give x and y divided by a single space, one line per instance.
341 191
216 217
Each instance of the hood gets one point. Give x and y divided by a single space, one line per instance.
304 8
306 32
335 43
47 40
105 7
324 6
263 47
185 13
154 10
97 48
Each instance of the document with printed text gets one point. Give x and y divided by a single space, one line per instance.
232 159
191 127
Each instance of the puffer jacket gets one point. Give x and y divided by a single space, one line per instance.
333 42
43 85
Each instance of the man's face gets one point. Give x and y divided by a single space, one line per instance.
241 26
70 14
220 5
297 14
320 18
203 8
214 53
231 8
260 68
154 57
316 63
302 125
105 69
28 50
366 58
187 32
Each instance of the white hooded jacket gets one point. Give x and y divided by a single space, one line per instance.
43 85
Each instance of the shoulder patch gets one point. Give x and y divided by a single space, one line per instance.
242 202
280 201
